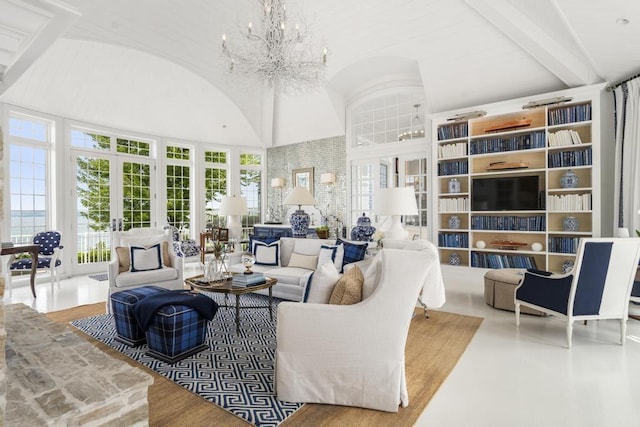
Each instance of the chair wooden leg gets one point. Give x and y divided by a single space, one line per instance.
517 310
569 333
623 330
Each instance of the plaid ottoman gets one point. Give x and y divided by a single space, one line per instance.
122 303
176 332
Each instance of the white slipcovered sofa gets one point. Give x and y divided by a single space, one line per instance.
123 276
295 260
353 355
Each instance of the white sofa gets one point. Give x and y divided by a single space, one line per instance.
291 280
353 355
168 277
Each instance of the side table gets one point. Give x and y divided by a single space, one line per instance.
21 249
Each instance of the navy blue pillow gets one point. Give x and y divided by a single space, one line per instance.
352 251
265 239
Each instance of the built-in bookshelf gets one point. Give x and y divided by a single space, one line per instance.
528 182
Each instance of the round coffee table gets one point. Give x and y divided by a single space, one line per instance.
226 287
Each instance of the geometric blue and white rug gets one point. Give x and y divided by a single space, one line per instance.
235 373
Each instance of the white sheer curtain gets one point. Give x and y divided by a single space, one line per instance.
627 164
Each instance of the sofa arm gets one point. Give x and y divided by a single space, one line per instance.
112 271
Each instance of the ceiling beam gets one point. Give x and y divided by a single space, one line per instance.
573 70
60 17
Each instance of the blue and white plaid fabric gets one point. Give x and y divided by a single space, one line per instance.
122 303
175 331
352 251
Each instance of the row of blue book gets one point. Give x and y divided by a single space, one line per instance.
508 222
245 280
570 158
502 261
513 143
457 167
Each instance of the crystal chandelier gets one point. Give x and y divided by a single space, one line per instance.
280 55
417 128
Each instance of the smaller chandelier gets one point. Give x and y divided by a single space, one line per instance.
417 128
276 53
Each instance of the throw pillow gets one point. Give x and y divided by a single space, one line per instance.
310 262
321 284
124 260
124 257
266 254
145 259
348 290
327 253
372 276
352 251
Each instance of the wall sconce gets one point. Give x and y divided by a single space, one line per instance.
276 212
328 178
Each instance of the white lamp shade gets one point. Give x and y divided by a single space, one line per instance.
277 182
233 206
396 201
299 196
328 178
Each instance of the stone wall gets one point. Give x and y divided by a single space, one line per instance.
324 155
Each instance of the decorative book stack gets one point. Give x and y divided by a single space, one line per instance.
245 280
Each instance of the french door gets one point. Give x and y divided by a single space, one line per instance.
112 192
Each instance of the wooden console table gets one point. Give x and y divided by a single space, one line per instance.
21 249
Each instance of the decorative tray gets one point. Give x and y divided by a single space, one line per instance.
507 244
511 124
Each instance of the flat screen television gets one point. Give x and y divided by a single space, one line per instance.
513 193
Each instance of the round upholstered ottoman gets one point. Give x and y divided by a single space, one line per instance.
499 289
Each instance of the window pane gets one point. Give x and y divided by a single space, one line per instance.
27 129
215 188
250 159
215 157
250 185
28 192
90 140
130 146
178 195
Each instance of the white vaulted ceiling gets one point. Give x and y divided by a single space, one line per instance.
154 66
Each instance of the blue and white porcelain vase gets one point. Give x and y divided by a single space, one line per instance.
363 231
299 221
570 223
454 258
567 266
569 179
454 222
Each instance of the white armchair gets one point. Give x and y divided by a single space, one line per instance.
122 276
353 355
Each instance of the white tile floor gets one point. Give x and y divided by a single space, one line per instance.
506 377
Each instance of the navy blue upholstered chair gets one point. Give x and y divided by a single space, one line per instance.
598 287
49 248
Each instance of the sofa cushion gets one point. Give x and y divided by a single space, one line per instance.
266 253
146 258
352 251
372 276
321 284
290 275
129 278
348 290
310 262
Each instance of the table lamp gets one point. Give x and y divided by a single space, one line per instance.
234 207
395 202
299 219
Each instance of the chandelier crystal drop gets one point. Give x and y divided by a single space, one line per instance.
275 52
